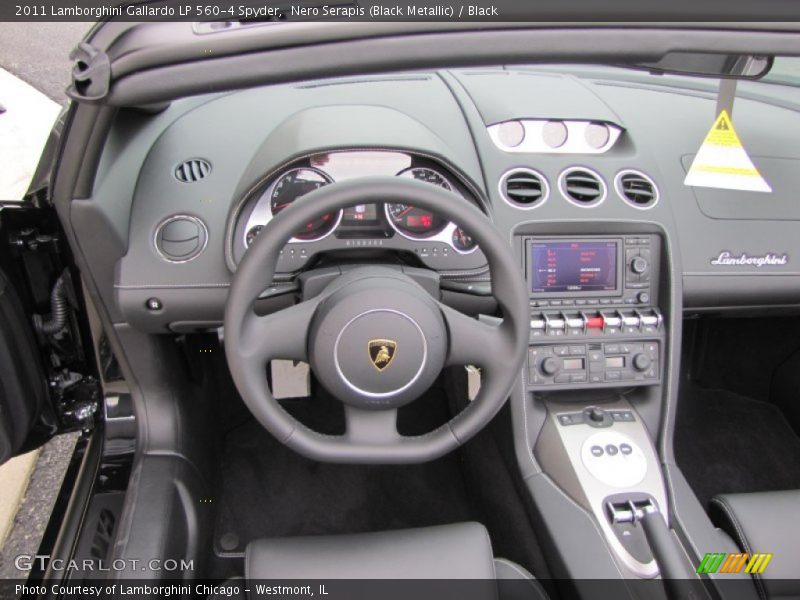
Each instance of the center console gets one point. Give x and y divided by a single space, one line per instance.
597 350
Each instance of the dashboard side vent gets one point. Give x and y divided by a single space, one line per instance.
583 186
192 170
524 188
637 189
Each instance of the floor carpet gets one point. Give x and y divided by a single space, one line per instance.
727 443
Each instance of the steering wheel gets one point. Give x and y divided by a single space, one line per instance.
373 337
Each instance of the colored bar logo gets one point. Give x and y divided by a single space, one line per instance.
720 562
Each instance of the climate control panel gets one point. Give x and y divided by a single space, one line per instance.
608 364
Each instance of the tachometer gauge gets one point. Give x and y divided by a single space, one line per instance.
294 184
416 222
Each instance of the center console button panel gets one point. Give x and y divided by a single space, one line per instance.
595 417
595 323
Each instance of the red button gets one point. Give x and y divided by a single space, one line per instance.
595 322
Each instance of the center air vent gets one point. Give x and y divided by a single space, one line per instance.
192 170
582 186
524 188
637 189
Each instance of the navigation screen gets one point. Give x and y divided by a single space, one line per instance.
577 266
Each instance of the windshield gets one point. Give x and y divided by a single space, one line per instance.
785 70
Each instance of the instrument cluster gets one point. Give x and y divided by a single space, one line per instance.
437 242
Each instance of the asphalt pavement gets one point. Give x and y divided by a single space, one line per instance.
34 511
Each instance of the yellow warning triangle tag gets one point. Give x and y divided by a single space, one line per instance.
723 163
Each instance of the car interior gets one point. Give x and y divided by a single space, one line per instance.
599 363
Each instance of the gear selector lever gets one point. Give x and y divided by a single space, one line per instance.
680 581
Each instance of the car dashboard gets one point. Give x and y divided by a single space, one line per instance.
552 151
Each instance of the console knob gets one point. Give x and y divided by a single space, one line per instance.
549 366
597 415
639 265
642 362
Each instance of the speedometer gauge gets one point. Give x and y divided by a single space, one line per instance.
417 222
294 184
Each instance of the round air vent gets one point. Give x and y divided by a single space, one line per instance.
636 188
524 188
192 170
180 238
583 187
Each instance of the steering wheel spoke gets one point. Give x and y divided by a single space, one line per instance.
370 427
282 334
472 342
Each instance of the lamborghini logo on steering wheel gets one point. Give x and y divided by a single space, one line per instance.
381 353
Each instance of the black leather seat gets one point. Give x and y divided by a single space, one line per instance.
765 522
452 552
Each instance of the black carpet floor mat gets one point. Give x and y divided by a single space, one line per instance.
268 490
727 443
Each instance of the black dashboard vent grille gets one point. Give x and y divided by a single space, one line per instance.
192 170
637 189
583 187
524 188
